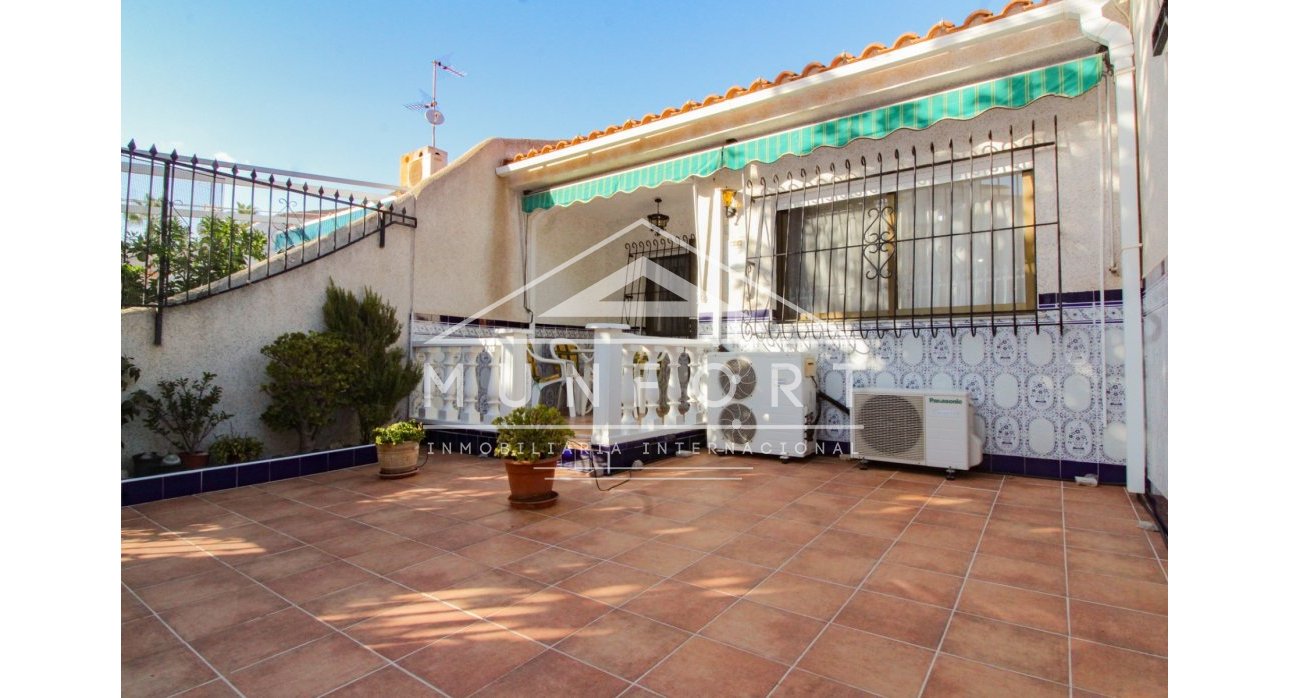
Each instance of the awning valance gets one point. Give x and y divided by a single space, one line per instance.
1069 79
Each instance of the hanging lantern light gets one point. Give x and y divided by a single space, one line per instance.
657 219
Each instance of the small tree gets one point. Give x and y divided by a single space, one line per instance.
184 412
384 375
308 375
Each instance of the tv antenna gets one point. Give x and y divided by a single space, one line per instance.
430 102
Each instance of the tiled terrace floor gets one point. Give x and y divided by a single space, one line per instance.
799 579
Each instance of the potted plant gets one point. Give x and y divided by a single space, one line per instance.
230 449
398 446
530 441
185 414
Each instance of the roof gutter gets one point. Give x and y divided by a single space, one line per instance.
1118 41
1025 20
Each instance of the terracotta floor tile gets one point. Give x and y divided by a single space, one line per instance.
1043 498
458 536
696 537
1027 515
163 673
1038 533
936 517
549 615
601 543
552 673
215 688
1097 522
1113 564
551 530
680 605
551 565
500 550
952 676
820 512
760 505
362 541
849 543
287 563
385 682
395 556
677 511
1013 647
729 520
316 525
489 591
145 636
320 581
399 630
623 643
171 568
349 606
238 546
723 574
896 618
804 684
1135 543
831 566
232 648
766 631
914 584
943 560
659 558
869 525
704 667
1050 579
310 670
959 505
204 617
1118 672
1018 549
1011 605
187 589
757 550
438 573
1118 591
1120 627
131 608
471 659
801 595
868 661
610 583
786 531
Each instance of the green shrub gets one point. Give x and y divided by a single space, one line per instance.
231 449
308 377
398 432
185 412
384 375
532 433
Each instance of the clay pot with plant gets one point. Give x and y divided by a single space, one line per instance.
398 449
530 440
184 412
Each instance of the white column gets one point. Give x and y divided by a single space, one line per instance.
515 381
437 407
607 380
470 385
650 390
493 350
422 358
673 387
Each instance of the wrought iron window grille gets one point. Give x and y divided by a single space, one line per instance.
891 246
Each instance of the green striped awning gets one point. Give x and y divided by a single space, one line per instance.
1067 80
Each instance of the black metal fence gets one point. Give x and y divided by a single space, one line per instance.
649 306
192 228
954 236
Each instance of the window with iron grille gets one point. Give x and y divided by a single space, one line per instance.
954 248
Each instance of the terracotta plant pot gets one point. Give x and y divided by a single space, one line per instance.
398 460
193 461
531 486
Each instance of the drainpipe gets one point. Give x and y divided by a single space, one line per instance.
1118 41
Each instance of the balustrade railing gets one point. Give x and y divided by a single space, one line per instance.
637 385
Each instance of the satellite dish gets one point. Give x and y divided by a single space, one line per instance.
434 116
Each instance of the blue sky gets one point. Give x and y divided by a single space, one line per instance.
320 86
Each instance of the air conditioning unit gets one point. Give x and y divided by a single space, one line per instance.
761 403
915 427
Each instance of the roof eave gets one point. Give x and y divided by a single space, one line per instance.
530 169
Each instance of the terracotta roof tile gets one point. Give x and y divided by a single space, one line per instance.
939 29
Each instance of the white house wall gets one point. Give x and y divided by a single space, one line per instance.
1049 403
